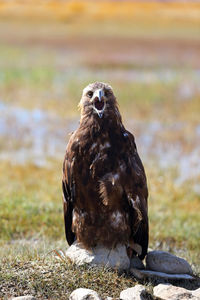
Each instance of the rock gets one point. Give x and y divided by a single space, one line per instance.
84 294
137 292
137 273
196 293
114 258
141 274
27 297
165 262
136 263
169 291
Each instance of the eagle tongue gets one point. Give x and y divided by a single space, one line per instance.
99 104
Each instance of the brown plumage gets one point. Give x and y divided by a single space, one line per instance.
104 183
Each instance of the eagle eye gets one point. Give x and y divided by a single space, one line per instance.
107 93
90 94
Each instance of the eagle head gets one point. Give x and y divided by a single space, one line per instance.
98 99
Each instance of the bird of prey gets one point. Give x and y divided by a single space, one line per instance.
104 183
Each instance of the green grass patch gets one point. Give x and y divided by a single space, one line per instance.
34 208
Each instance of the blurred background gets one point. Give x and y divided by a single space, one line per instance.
149 52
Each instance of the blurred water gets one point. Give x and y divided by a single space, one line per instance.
166 153
35 136
188 79
32 135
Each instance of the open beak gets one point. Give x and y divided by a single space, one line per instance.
99 103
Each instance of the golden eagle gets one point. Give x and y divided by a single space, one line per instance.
104 184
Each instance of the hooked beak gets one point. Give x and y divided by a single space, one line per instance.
98 101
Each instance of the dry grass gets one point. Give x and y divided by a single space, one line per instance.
155 17
40 277
102 9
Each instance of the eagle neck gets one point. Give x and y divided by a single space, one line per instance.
93 122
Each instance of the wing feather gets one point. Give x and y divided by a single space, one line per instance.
139 205
68 187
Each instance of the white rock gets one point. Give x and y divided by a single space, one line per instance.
27 297
84 294
114 258
168 291
196 293
137 292
167 263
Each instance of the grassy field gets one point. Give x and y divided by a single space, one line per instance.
153 65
